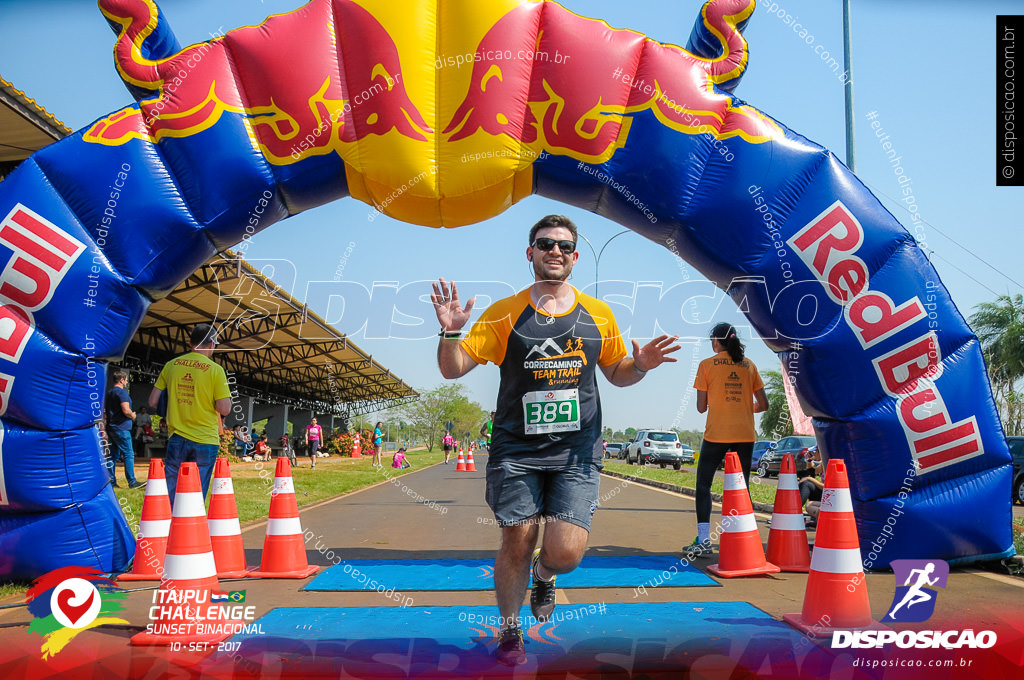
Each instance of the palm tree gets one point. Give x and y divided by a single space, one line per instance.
776 421
1000 329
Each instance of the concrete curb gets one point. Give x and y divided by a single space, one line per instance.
683 490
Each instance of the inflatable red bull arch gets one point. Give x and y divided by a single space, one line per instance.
445 113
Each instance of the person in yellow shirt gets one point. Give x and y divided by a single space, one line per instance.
730 391
198 395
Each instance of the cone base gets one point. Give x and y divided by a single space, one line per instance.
460 468
794 569
768 568
471 468
154 639
236 573
137 577
298 573
797 621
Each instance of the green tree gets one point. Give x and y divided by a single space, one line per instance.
428 415
691 438
776 422
1000 328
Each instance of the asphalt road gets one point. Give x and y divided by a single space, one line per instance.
387 522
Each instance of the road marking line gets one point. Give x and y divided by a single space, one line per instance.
676 493
1002 578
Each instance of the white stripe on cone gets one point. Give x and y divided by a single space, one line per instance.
156 486
738 524
836 500
225 527
787 482
284 526
283 485
788 522
189 567
734 481
836 560
222 485
154 528
189 504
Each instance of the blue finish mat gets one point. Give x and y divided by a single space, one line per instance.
613 640
593 572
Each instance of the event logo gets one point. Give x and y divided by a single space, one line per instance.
70 600
914 601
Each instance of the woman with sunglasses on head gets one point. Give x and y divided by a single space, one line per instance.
730 391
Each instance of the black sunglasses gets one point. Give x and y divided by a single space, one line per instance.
546 244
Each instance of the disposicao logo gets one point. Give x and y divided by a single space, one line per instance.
70 600
914 602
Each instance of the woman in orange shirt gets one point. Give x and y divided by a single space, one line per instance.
730 391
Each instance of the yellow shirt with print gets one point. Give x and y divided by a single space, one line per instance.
730 387
194 383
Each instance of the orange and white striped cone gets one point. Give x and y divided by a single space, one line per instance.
740 552
470 465
836 594
284 549
461 465
153 528
787 540
225 531
183 607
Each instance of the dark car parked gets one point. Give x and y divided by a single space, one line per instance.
1016 445
771 461
760 447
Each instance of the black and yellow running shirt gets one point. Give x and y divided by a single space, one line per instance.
548 409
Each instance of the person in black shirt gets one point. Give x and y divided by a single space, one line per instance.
545 454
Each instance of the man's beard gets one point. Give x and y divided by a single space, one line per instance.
542 275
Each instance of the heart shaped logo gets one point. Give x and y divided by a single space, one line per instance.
75 603
73 612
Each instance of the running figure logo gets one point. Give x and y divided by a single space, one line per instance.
914 601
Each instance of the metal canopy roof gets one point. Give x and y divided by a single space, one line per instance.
273 347
25 127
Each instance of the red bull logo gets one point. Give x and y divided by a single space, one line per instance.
581 90
241 73
523 79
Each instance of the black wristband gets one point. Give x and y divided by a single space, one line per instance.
450 335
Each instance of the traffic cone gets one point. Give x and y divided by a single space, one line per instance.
470 465
284 550
183 602
225 532
460 466
153 527
740 551
787 540
836 594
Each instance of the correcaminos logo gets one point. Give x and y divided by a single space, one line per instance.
914 601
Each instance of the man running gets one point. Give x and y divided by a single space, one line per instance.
545 456
487 429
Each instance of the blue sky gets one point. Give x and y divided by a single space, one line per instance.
926 70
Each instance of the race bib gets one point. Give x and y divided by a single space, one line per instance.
551 411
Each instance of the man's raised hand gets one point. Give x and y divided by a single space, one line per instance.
450 313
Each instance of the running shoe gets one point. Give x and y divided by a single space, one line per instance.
542 597
511 651
136 485
698 549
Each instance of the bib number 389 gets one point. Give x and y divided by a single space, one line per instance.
551 411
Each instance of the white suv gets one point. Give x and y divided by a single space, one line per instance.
658 446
